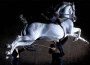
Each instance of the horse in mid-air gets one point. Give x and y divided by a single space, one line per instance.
50 32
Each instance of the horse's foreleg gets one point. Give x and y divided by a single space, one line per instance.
84 40
77 33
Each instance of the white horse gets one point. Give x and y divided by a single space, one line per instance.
51 32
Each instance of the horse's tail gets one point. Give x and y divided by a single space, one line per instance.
23 32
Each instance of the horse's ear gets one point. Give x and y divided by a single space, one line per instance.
21 16
73 6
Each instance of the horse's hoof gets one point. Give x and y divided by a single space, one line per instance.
8 45
86 42
7 57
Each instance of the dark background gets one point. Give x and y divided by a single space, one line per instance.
10 27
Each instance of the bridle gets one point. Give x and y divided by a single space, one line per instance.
71 15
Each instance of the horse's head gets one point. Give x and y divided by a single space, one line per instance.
66 10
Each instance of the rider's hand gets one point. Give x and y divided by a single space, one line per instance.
53 49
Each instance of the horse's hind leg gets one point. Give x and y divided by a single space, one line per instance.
19 42
16 44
